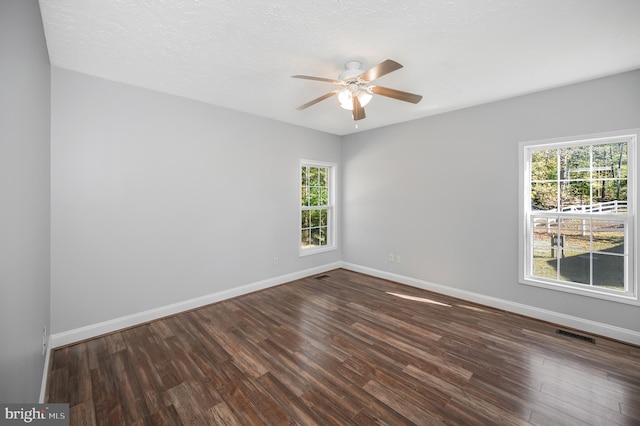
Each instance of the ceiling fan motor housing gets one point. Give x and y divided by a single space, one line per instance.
352 70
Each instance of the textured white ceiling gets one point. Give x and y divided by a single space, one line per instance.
241 54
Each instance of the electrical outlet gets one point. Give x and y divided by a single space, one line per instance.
397 258
390 258
276 261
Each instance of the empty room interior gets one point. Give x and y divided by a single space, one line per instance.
433 222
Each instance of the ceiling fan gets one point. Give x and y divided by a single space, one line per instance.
356 89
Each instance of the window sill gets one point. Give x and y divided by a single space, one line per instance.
317 250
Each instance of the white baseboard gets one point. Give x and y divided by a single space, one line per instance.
601 329
76 335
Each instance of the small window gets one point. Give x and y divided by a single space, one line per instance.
578 215
317 207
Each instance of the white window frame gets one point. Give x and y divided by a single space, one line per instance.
630 295
331 208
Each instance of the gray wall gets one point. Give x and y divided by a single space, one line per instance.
442 192
158 199
24 199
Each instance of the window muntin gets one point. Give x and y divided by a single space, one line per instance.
579 216
316 207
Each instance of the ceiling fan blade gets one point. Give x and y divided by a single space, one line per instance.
309 77
358 110
383 68
396 94
316 100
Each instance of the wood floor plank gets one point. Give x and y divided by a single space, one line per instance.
346 349
130 394
58 384
395 398
83 413
223 416
281 393
105 392
591 403
79 375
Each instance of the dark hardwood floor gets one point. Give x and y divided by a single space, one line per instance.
346 349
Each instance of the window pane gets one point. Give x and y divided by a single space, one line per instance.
545 251
315 218
305 238
314 196
544 196
322 177
574 161
323 197
318 236
575 234
609 174
323 236
544 264
579 173
574 195
608 158
575 267
544 231
608 271
304 196
323 217
620 159
608 236
610 196
312 175
544 165
306 219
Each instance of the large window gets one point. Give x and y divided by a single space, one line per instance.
317 207
578 216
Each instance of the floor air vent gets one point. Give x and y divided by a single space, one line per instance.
576 336
321 277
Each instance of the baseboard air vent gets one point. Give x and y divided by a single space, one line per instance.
576 336
321 277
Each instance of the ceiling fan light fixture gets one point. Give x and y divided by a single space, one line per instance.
345 98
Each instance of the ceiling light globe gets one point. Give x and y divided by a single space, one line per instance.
364 97
346 99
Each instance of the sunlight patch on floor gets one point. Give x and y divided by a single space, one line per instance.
473 308
418 299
